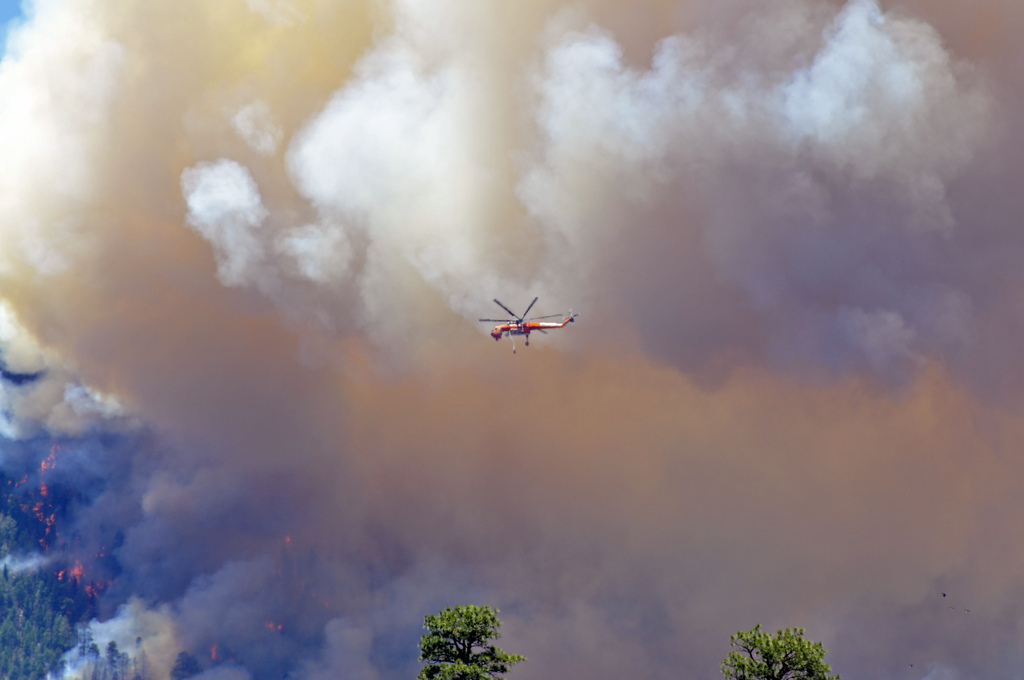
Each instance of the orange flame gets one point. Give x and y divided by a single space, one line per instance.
96 589
50 461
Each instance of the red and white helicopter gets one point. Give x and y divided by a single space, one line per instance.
519 325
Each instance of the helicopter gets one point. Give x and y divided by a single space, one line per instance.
520 325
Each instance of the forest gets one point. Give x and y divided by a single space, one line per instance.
45 602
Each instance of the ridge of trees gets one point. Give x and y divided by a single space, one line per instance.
39 607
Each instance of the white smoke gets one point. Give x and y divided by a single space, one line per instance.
321 252
146 634
59 76
16 564
225 207
255 124
391 155
19 349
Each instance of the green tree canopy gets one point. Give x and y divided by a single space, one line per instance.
783 656
458 645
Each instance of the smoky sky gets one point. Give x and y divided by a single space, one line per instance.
244 246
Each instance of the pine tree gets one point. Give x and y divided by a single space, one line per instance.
458 645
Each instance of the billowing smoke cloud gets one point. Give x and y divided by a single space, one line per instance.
244 245
147 635
805 177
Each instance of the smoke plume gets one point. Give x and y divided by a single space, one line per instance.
244 246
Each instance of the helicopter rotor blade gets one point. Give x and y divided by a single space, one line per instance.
497 320
549 316
530 307
514 315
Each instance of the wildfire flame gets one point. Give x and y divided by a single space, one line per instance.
77 573
50 461
43 505
96 588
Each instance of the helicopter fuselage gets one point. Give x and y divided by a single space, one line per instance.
525 327
520 325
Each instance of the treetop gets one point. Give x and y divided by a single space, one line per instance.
458 645
786 655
